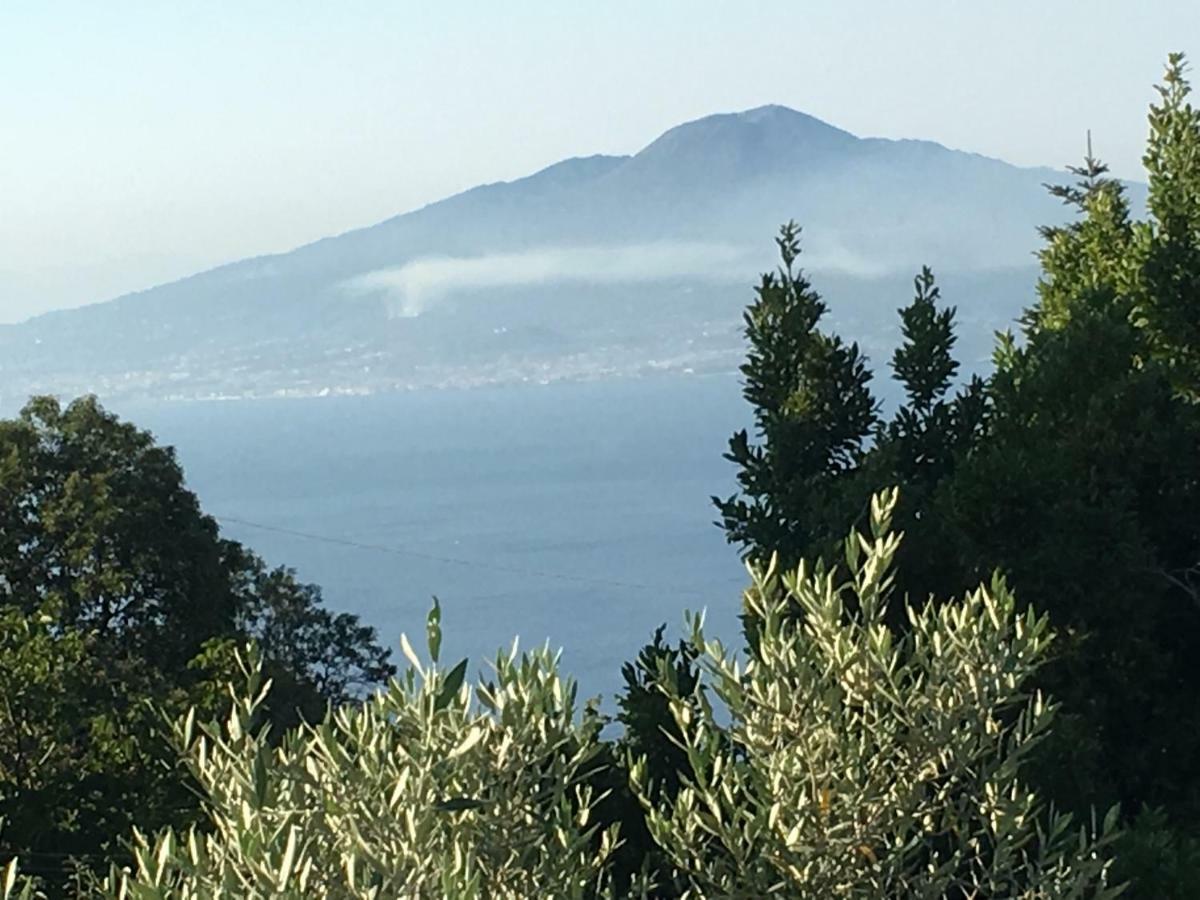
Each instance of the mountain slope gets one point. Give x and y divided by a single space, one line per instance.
593 266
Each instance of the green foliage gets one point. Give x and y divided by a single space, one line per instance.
860 761
850 760
1094 446
1160 859
1075 468
95 519
923 362
926 434
15 885
430 788
651 736
1169 243
866 762
650 730
813 411
119 600
313 655
82 753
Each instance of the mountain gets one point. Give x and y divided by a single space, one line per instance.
594 266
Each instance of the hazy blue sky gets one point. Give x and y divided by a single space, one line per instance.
142 140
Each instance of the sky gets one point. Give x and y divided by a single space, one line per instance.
143 141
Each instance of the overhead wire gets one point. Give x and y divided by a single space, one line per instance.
459 561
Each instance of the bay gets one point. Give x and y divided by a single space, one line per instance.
575 514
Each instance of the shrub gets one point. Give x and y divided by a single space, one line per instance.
431 788
863 762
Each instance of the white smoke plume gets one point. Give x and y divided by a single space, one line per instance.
415 287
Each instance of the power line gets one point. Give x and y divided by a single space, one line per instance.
458 561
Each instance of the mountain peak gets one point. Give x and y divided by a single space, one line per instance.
761 140
775 114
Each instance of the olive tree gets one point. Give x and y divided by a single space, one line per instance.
431 788
864 761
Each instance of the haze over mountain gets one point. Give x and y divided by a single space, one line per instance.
594 266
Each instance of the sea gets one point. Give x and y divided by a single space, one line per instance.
577 515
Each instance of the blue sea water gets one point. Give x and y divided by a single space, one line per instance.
576 513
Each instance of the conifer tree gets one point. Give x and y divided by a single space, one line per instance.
1169 242
1074 467
813 412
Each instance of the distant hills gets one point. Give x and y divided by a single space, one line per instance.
595 266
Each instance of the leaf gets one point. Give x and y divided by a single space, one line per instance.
162 858
189 726
289 859
433 630
474 736
1111 818
410 654
289 855
261 779
450 686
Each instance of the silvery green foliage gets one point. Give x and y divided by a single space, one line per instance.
431 788
860 762
14 886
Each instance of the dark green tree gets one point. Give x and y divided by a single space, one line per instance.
650 731
813 413
928 432
1075 467
122 602
1168 308
84 748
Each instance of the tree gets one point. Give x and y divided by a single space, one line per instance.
650 732
430 788
813 411
1093 444
651 736
858 762
120 598
1169 242
1074 467
866 762
83 749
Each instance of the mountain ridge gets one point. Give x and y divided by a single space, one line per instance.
586 265
609 160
